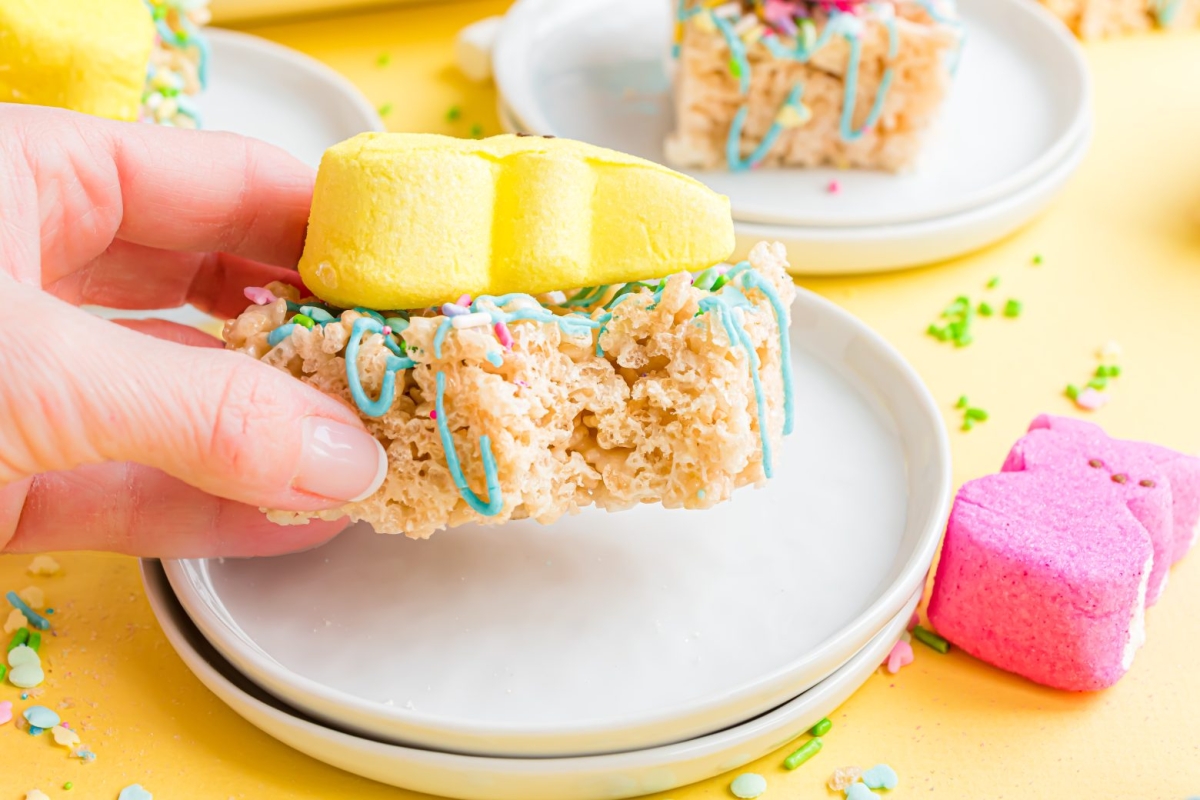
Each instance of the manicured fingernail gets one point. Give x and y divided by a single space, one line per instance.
339 461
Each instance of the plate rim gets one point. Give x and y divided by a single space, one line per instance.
511 67
312 67
832 651
765 732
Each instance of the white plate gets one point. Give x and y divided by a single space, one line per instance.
261 89
834 251
610 632
831 251
605 777
593 70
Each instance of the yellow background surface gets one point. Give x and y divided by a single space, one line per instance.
1121 252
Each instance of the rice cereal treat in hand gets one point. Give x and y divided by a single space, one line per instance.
1092 19
807 83
652 385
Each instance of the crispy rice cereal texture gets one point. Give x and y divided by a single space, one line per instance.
667 411
708 96
1093 19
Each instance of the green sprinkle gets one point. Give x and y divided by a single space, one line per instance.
718 283
977 414
963 340
68 786
3 671
454 114
35 641
1012 308
822 727
994 282
962 402
476 131
1037 259
1101 371
303 320
934 330
806 751
1072 391
967 424
1099 384
19 638
735 68
931 639
385 109
1114 371
383 60
985 310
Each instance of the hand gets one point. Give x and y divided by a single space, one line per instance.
148 438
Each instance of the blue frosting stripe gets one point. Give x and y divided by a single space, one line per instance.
850 96
395 364
491 476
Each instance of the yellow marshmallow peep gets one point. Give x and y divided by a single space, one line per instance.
412 220
85 55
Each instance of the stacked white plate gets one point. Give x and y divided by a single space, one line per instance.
1016 126
603 656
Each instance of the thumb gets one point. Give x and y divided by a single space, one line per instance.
79 390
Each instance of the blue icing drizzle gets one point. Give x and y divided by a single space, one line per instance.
850 97
279 334
396 362
491 477
807 43
733 149
756 281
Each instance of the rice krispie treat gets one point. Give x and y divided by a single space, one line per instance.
122 59
806 83
1091 19
495 408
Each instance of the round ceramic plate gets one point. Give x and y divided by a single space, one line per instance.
610 632
261 89
605 777
594 70
833 251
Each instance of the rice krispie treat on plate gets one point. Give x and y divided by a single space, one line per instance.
665 379
1091 19
122 59
807 83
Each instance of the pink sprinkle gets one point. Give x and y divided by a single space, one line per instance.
464 301
1091 400
259 296
521 383
834 187
721 269
901 656
433 415
504 336
387 330
5 711
914 621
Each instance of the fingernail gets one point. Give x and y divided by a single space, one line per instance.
339 461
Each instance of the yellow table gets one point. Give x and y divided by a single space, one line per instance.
1121 261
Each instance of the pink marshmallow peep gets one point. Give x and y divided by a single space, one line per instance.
1043 575
1047 568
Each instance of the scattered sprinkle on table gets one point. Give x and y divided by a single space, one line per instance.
68 786
14 622
36 620
986 310
6 714
804 753
834 187
44 565
385 109
881 776
822 727
1013 308
931 639
34 597
1037 259
859 791
994 282
957 329
843 777
383 60
41 717
134 792
900 656
747 785
19 638
1092 395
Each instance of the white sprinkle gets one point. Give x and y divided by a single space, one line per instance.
728 10
555 298
745 24
476 320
